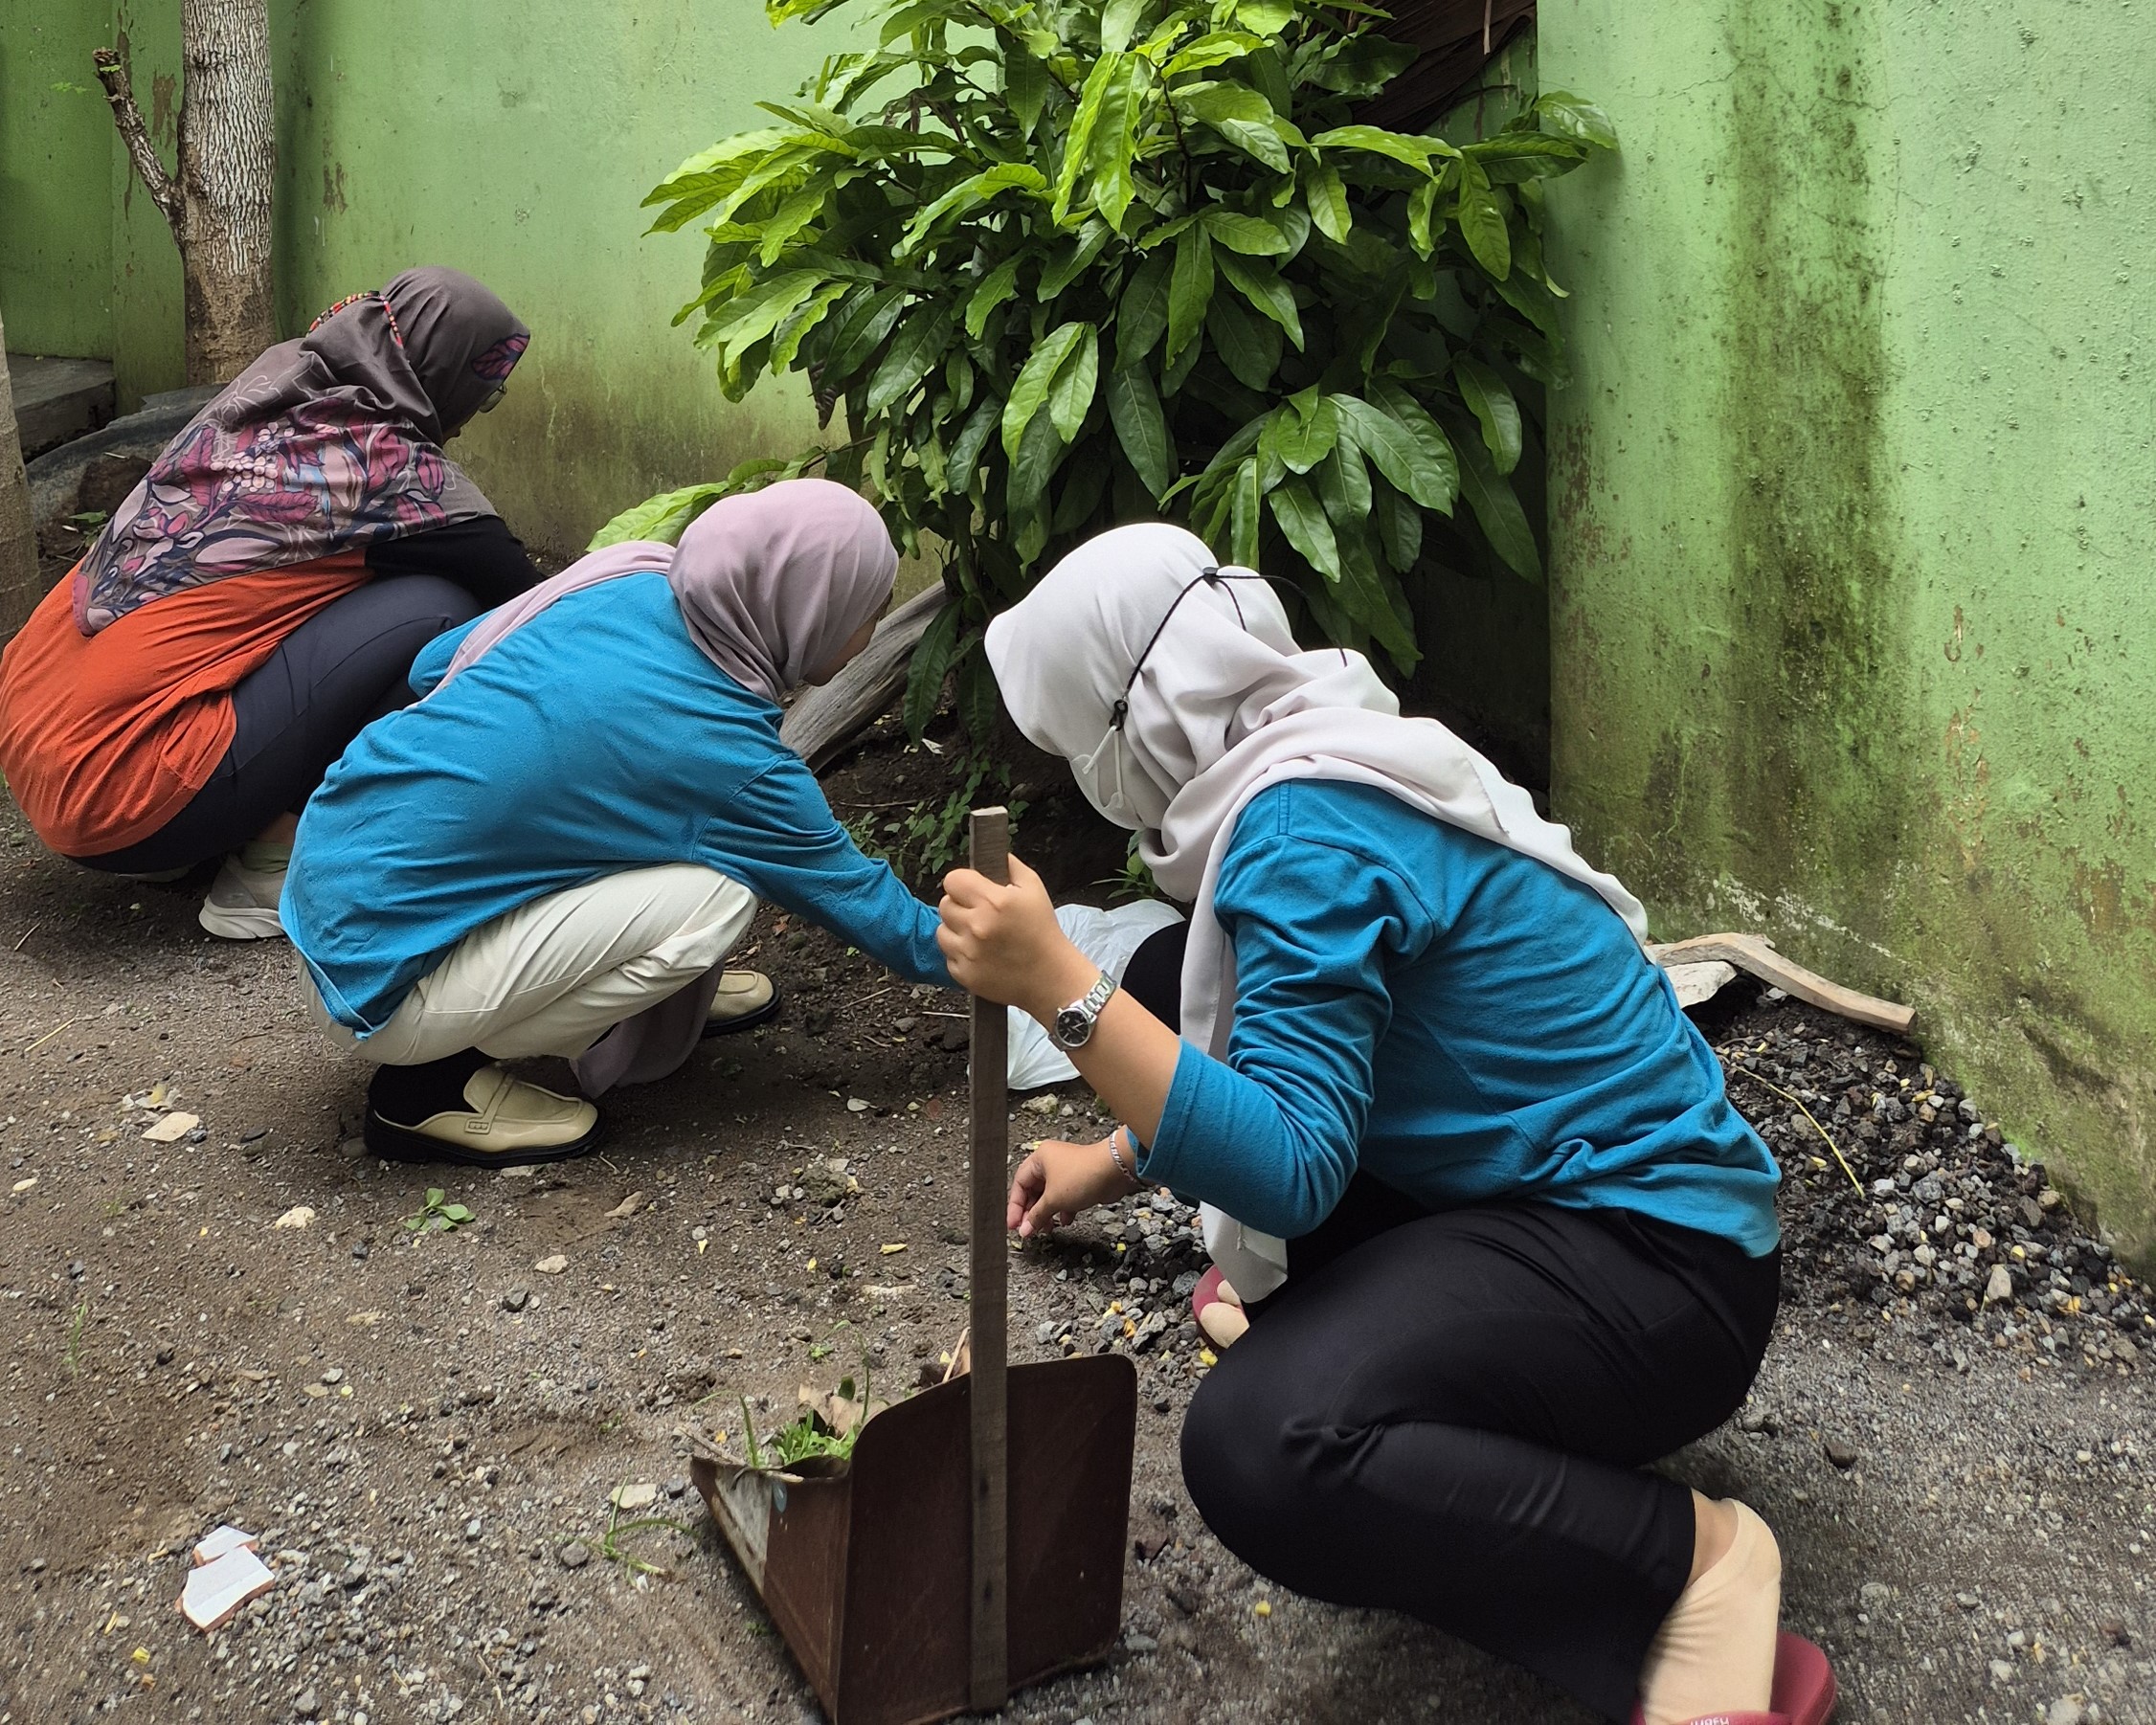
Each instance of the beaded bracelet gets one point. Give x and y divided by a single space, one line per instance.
1129 1173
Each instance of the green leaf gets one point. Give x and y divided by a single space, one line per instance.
861 332
1077 147
1245 500
1394 452
1498 511
1214 49
1343 484
1306 429
435 1195
797 212
997 286
1115 141
456 1213
1262 286
1141 319
1267 17
1039 451
1251 235
661 518
1422 206
1073 257
1242 116
1573 116
1249 345
1134 409
973 438
1512 157
1190 288
1327 198
1025 86
758 313
1070 394
1490 398
787 339
915 351
1482 222
1374 602
1030 393
1400 526
1433 447
1401 146
977 698
1304 521
931 664
1119 22
970 195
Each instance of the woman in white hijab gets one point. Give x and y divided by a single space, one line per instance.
1514 1242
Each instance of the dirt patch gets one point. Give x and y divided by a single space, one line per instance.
426 1426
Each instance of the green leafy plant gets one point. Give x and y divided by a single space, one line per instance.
433 1216
810 1435
1068 263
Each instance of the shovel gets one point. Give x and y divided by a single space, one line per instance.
972 1541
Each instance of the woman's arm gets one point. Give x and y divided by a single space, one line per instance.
481 555
1272 1132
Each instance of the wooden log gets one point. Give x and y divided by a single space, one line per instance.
824 720
1751 953
988 1327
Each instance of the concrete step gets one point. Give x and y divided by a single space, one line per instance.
56 399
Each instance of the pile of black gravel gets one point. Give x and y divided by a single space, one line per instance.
1935 1222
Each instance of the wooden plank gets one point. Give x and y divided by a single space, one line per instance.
989 1146
824 721
1750 952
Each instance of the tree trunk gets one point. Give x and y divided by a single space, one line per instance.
20 590
218 205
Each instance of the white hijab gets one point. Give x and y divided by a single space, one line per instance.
1224 705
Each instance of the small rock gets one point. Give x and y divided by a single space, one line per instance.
2002 1671
641 1497
306 1704
572 1553
1967 1601
1840 1451
2067 1709
552 1265
2000 1287
516 1299
1140 1643
172 1128
333 1376
1184 1599
249 1136
855 1105
626 1208
299 1216
1873 1595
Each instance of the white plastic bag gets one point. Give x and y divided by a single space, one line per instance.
1109 938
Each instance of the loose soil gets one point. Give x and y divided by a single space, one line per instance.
426 1428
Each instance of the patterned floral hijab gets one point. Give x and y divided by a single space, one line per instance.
323 444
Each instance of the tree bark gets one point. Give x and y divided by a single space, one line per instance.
218 204
20 590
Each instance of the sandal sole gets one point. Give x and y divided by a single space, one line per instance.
394 1143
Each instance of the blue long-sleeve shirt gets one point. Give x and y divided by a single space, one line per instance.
592 740
1464 1022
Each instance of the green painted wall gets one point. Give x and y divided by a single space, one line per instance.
508 137
55 149
1852 512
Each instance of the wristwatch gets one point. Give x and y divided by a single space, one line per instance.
1073 1027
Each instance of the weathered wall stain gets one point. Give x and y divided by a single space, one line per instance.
1851 317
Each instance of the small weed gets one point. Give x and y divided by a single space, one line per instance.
73 1357
932 836
808 1436
433 1216
1135 880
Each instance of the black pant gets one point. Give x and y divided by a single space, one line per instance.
294 713
1449 1413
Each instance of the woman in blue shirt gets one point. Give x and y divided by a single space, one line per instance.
1502 1237
553 850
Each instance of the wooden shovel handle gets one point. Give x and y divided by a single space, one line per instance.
1750 953
989 832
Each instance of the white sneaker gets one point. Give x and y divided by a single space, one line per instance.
242 902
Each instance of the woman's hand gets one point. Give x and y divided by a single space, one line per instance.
1004 944
1059 1180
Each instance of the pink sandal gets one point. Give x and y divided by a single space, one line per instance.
1804 1690
1219 1312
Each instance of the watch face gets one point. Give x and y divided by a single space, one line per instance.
1073 1027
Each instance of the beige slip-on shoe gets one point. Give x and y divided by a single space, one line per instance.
745 997
242 902
505 1122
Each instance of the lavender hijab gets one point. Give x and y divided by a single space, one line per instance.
323 444
772 584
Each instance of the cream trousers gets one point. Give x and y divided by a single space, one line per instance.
554 976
